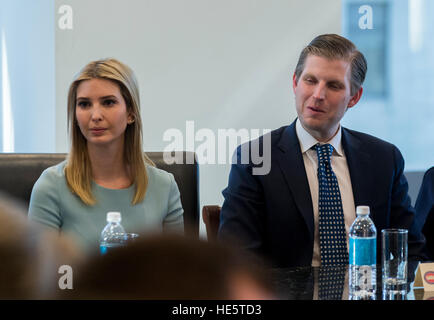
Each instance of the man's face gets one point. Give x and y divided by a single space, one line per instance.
322 95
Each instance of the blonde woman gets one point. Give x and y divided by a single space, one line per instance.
106 169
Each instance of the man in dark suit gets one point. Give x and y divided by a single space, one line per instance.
279 215
425 211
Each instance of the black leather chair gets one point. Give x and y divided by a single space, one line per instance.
19 172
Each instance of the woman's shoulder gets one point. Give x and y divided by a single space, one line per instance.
158 177
158 173
51 183
53 173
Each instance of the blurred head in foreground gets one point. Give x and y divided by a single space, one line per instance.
172 267
30 257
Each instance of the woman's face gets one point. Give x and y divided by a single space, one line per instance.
101 112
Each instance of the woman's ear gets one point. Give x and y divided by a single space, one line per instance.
130 119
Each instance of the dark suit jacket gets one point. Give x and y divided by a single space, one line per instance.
425 211
272 214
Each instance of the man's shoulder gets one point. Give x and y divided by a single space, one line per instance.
273 136
367 140
428 178
429 174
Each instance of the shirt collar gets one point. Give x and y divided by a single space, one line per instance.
307 141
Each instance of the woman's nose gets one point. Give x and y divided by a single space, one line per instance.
97 114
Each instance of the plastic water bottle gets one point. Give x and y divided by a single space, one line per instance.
112 236
363 256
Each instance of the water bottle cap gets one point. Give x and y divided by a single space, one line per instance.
114 216
363 210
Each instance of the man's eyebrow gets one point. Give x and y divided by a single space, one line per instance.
307 75
335 81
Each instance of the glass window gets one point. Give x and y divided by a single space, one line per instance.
27 86
372 42
398 100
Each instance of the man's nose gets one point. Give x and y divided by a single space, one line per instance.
319 91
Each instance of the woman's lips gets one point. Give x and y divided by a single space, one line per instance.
97 131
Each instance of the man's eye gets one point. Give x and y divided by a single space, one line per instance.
309 80
334 86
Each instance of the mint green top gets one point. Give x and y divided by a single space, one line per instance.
52 204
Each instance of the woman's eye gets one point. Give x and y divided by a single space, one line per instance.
109 102
83 104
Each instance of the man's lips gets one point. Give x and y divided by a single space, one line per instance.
315 109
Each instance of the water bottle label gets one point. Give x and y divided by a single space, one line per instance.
363 251
103 250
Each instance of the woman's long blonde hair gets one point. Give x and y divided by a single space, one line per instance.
78 169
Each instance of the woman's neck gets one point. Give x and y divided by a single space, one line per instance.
109 169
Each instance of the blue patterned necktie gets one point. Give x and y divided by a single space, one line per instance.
331 282
332 235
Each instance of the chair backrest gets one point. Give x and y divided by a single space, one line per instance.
19 172
211 218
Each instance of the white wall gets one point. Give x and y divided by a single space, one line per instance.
27 86
224 64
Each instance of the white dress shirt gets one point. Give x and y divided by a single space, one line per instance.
340 168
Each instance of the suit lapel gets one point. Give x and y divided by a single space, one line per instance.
359 166
291 163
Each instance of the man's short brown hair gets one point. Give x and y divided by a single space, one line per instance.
333 46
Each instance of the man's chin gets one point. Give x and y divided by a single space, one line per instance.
314 125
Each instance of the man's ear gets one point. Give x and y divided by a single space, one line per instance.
294 82
354 99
